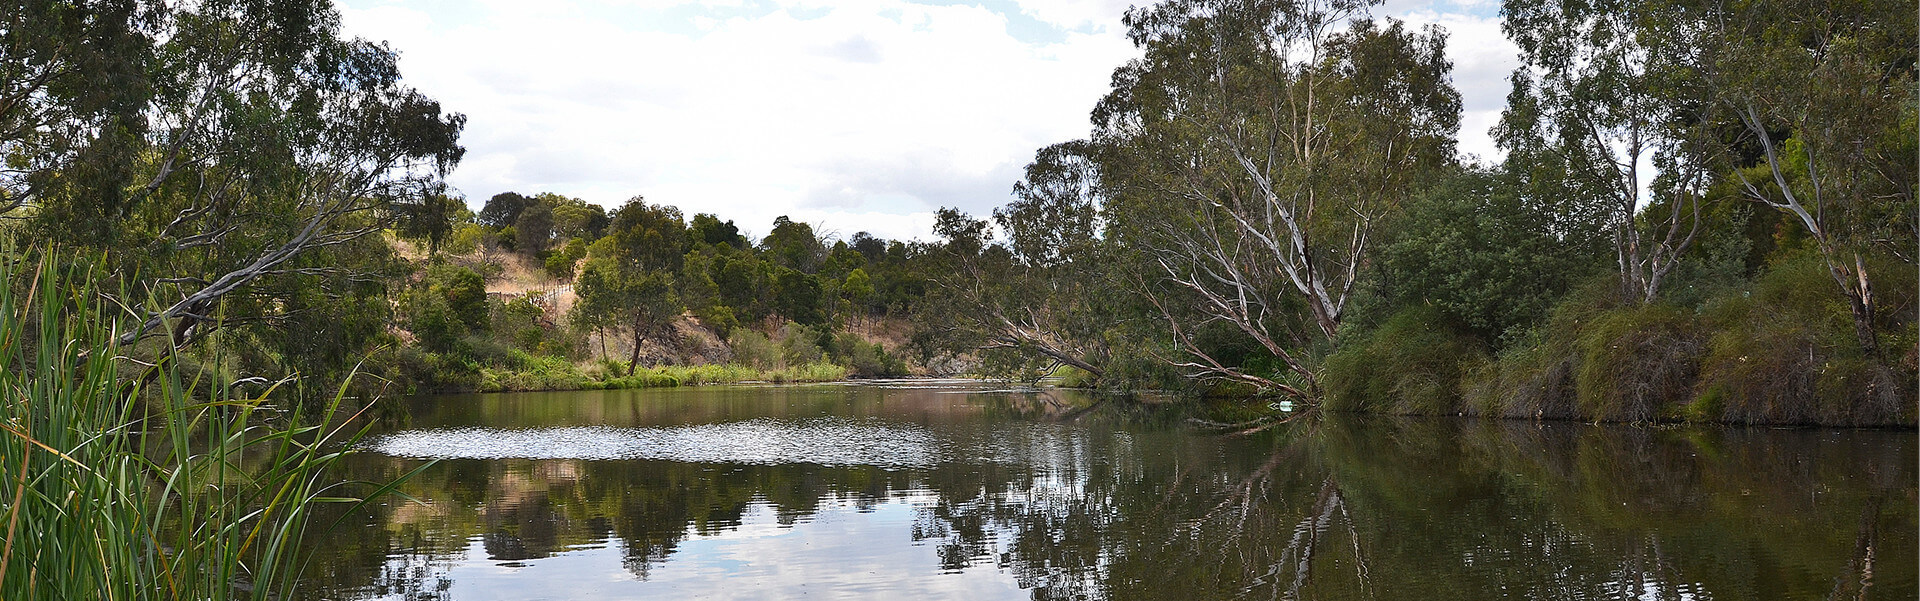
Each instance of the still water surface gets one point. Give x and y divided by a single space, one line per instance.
927 490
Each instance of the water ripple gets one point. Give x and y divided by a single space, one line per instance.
825 441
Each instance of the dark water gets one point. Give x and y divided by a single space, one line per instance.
952 491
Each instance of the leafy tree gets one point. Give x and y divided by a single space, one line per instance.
1482 253
449 302
743 283
534 230
1824 94
1250 154
1042 300
648 236
575 218
432 218
252 156
793 245
841 260
707 228
1603 89
559 267
503 209
858 291
797 296
77 79
612 295
874 249
629 283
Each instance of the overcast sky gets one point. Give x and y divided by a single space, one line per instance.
856 115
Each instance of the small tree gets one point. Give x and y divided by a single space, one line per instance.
629 284
613 297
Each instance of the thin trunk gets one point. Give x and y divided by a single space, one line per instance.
1859 302
634 362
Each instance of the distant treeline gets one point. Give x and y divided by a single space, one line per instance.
1705 211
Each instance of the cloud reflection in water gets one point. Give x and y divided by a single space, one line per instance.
823 441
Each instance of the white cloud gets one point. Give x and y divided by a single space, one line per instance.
858 115
841 116
1073 14
1482 58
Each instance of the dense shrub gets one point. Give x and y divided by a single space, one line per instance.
799 345
1410 365
1636 361
754 349
866 359
1595 359
1787 353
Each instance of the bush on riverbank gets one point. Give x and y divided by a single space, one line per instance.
1411 365
1787 353
1779 351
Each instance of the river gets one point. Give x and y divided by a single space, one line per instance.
957 490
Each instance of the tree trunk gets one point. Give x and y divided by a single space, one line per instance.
1859 291
634 363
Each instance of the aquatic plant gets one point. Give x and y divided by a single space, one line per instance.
130 479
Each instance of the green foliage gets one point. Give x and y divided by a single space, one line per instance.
719 318
1412 364
628 284
799 345
449 302
560 267
1597 358
465 239
865 359
1633 362
708 229
793 245
755 350
503 210
858 290
525 325
1486 257
796 295
432 218
1787 352
156 485
818 371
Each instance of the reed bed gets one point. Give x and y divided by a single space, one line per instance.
124 479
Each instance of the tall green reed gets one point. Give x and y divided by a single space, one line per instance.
124 479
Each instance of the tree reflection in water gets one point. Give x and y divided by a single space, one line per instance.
1079 498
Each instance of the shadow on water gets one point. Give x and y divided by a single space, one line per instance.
1058 495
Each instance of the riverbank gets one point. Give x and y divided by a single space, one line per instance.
557 374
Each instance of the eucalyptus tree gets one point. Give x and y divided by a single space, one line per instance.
74 86
430 218
794 245
628 282
1606 117
1826 91
1255 147
234 150
1052 300
503 209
